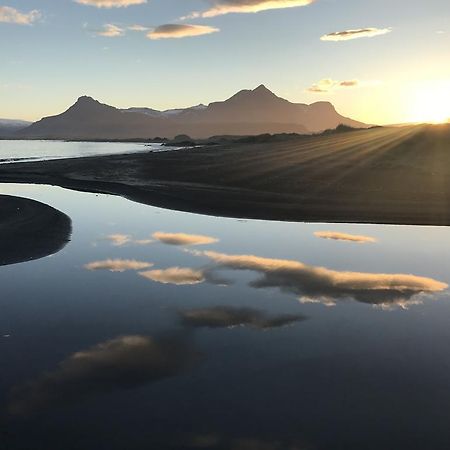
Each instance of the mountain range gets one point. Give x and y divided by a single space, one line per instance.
9 127
249 112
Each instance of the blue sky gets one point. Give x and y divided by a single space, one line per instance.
387 78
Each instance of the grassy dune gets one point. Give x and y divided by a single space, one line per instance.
383 175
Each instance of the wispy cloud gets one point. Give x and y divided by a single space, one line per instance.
111 3
12 15
177 31
222 7
137 27
347 35
118 265
110 30
328 84
183 238
179 276
336 236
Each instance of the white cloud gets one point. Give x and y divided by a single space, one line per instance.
137 27
111 3
12 15
336 236
177 31
110 30
222 7
328 84
347 35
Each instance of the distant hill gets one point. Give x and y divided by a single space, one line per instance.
167 113
10 127
249 112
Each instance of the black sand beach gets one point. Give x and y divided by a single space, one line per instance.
381 175
30 230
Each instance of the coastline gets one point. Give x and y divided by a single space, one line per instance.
384 176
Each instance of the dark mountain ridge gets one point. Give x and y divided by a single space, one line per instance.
249 112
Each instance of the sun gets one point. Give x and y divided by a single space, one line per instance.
431 102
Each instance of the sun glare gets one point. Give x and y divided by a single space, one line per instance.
431 102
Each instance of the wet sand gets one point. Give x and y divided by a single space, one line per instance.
382 175
30 230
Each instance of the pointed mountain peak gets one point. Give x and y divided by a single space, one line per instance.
262 91
259 94
88 105
262 88
85 99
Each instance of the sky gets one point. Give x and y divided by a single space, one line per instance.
379 61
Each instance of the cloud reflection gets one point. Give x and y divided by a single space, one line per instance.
119 240
175 275
216 441
118 265
229 317
183 239
124 362
316 284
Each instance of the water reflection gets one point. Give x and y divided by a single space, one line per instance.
118 265
229 317
119 240
312 283
183 238
175 275
268 379
124 362
218 442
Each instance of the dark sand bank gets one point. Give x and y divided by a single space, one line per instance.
30 230
382 175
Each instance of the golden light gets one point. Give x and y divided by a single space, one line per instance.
431 102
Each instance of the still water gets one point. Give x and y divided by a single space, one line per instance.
23 151
156 329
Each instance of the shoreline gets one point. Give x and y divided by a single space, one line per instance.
373 176
30 230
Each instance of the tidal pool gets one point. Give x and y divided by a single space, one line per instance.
157 329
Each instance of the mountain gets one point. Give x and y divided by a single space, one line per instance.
167 113
249 112
9 127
